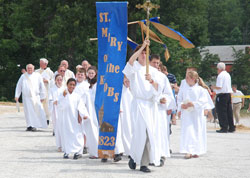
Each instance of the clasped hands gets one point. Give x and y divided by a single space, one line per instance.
187 105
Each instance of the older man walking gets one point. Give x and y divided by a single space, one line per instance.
30 84
223 91
47 76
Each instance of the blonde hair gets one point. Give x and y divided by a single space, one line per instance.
199 80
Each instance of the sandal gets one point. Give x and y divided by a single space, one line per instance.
188 156
195 156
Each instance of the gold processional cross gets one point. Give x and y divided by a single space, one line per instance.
147 6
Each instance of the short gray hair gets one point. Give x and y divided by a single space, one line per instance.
44 60
221 66
30 65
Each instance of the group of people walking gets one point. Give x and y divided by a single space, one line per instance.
147 104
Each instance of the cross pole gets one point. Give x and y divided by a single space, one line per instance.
147 6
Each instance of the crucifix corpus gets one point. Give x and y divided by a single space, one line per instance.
147 6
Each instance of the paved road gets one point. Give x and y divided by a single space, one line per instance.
33 155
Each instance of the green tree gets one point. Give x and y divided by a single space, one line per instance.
224 16
240 70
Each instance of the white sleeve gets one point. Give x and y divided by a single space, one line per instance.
128 70
19 87
219 81
42 90
82 109
202 102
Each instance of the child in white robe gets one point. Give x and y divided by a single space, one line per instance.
124 128
89 128
92 128
70 104
55 91
194 102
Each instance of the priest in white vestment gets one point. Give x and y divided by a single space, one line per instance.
31 85
144 88
47 76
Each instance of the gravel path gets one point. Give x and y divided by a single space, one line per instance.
33 155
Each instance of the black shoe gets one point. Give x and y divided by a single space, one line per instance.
53 134
76 156
170 151
47 122
29 128
151 164
85 150
104 160
33 129
117 158
66 156
221 131
231 130
161 162
145 169
131 164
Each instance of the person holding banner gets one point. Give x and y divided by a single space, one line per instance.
144 88
92 127
124 131
30 84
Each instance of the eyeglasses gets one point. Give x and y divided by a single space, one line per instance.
62 70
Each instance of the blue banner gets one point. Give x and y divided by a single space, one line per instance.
112 50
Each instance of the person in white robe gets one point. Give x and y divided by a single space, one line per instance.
144 88
92 127
68 73
124 130
47 76
193 123
165 102
89 128
31 85
69 106
183 87
54 93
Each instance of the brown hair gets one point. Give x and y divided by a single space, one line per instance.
163 68
81 70
93 80
138 47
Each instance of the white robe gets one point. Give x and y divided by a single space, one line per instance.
55 92
90 126
161 122
193 123
32 88
124 130
143 110
68 109
48 75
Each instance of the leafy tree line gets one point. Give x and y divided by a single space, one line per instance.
60 30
